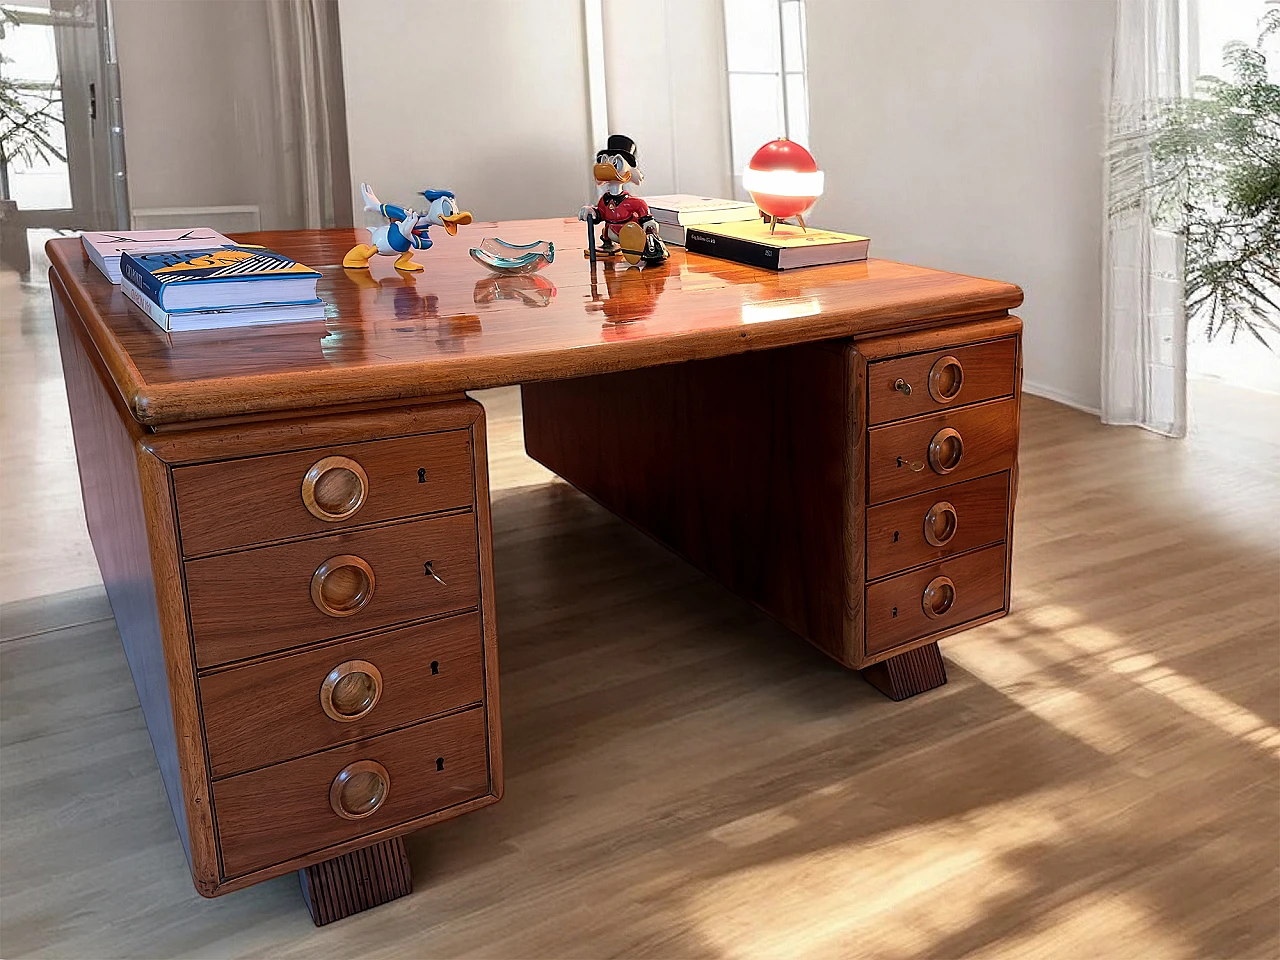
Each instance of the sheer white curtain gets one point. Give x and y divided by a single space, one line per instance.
1144 330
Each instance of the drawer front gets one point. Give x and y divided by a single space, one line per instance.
930 452
291 809
925 382
273 598
954 591
238 503
935 525
279 709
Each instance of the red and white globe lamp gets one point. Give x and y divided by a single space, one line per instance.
783 180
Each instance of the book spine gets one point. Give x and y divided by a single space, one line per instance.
731 248
133 271
145 304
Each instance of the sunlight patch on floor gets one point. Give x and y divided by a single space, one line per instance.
930 889
1082 716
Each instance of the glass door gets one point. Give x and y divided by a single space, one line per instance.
61 139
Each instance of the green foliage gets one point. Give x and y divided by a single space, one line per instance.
1216 159
29 113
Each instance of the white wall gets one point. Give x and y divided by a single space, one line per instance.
968 136
487 98
669 91
196 90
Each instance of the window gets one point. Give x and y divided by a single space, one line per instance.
768 92
33 165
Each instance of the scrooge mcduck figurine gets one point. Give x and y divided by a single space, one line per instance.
406 229
627 223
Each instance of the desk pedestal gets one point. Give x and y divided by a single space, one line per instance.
860 492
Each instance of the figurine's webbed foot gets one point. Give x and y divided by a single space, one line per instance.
406 262
357 257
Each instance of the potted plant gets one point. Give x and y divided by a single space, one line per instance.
29 116
1216 165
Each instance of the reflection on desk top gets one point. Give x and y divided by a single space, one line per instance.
392 336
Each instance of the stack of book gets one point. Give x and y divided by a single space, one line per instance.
226 286
677 212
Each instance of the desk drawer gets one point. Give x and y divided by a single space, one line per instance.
289 810
933 526
238 503
279 709
934 598
930 452
272 598
925 382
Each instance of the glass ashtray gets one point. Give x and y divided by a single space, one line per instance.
511 258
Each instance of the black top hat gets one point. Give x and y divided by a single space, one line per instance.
618 144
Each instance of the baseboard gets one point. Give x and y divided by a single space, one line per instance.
228 220
1057 396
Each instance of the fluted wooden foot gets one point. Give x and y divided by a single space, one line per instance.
908 673
356 881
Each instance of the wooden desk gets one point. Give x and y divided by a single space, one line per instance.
293 523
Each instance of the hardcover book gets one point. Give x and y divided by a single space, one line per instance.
105 247
182 320
687 210
218 278
789 246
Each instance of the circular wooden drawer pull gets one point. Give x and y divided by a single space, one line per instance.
938 597
334 488
359 789
941 523
342 585
351 690
945 379
945 450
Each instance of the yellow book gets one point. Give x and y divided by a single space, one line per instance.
750 242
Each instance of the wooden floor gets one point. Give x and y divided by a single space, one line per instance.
1098 779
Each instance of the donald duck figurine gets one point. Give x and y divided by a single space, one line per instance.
406 229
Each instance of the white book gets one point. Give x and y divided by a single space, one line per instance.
671 232
176 321
104 247
688 210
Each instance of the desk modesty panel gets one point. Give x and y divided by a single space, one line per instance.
292 522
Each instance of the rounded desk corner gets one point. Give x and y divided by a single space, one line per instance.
207 888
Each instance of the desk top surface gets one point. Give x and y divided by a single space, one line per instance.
457 326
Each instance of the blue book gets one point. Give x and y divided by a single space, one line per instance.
219 277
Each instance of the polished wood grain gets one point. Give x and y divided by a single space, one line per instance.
260 601
988 371
272 815
896 607
356 881
237 503
910 457
392 336
269 711
737 464
896 342
896 531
